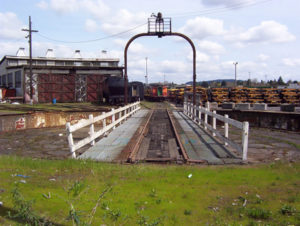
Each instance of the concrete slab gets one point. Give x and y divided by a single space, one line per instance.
108 148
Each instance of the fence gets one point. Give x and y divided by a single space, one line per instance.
117 116
191 111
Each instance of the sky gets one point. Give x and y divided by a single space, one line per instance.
263 36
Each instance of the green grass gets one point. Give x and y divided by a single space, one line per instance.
153 194
24 108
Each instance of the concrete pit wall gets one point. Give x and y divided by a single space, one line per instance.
266 119
41 120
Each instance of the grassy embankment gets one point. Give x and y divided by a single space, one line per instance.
113 194
48 107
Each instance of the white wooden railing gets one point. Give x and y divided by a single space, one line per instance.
200 115
117 116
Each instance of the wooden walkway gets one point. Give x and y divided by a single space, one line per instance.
200 145
109 148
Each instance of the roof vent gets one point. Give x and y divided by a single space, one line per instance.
103 54
50 53
77 54
21 52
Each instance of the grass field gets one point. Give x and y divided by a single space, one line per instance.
71 191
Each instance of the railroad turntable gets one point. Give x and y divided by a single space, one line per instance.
161 135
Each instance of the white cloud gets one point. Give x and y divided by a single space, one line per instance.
211 47
168 66
202 27
125 20
11 26
42 4
97 8
291 61
11 48
120 42
227 3
263 57
266 32
91 25
64 6
200 57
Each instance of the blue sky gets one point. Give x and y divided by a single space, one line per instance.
261 35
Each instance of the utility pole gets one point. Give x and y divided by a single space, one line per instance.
235 63
146 76
29 36
249 79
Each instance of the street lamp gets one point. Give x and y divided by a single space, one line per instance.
146 76
235 63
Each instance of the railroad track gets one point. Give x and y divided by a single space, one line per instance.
158 141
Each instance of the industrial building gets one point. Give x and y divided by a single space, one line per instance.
73 79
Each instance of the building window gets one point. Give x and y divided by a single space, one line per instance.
59 63
41 62
4 80
87 64
78 63
50 63
18 79
10 80
96 64
0 80
12 62
104 64
22 62
69 63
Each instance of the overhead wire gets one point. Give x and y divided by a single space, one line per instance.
93 40
219 9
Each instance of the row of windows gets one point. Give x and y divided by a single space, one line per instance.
11 80
63 63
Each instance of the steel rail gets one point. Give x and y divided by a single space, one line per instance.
132 156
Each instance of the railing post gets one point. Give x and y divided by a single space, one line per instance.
205 118
226 128
92 130
214 122
113 117
245 139
103 121
207 105
187 108
195 113
199 115
120 116
70 140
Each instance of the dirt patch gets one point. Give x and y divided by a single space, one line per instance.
49 143
267 145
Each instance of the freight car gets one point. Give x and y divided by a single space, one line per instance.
156 93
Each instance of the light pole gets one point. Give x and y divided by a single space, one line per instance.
235 63
146 76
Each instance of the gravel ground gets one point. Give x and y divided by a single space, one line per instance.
265 145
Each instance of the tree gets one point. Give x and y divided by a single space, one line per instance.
204 84
280 81
224 83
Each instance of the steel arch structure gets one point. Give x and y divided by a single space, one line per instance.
159 34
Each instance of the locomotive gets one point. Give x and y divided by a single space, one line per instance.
114 91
